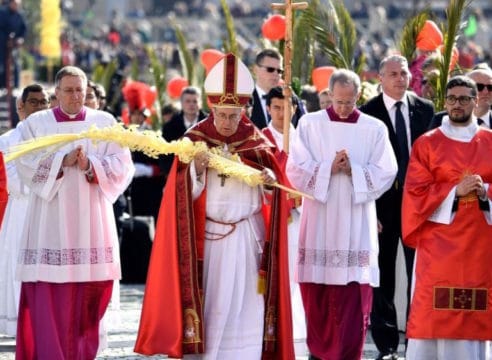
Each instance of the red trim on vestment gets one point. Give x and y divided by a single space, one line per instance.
4 195
161 328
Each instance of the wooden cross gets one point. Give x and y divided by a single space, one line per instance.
223 178
289 7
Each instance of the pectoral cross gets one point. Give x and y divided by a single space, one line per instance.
223 178
289 8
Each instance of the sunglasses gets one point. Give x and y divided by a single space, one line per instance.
272 69
480 87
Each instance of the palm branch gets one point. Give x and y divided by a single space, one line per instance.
185 56
158 71
230 44
102 74
336 35
303 46
454 24
410 31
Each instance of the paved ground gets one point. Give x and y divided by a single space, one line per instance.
122 339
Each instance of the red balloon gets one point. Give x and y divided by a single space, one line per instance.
274 27
210 57
430 37
175 86
321 76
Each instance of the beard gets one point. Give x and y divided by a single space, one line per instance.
461 118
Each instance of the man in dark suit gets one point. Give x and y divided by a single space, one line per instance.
407 116
483 79
268 70
189 115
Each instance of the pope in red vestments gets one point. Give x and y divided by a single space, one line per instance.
446 217
218 281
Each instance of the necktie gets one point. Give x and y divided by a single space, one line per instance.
268 118
401 135
480 121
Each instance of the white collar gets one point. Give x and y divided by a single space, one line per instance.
459 133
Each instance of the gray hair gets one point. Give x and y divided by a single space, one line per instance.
70 71
392 58
345 77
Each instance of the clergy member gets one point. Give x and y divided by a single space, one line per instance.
343 158
446 218
69 253
218 283
275 102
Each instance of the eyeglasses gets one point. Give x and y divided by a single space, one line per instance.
480 87
463 100
37 102
231 117
271 69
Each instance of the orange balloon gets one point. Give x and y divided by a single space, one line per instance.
210 57
274 27
430 37
175 86
321 76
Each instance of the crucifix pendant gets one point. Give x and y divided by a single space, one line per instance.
223 178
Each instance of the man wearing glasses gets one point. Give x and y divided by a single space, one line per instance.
268 71
34 98
446 218
68 257
342 158
218 277
483 79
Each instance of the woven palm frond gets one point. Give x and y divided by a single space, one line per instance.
150 143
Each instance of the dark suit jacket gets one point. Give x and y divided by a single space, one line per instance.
421 112
258 116
437 119
173 130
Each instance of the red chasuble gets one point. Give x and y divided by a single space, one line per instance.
453 291
4 196
174 282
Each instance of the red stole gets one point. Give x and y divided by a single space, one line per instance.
174 282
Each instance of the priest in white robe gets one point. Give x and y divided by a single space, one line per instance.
69 254
343 158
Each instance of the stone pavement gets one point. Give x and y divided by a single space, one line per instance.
121 339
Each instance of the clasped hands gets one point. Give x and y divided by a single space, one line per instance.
341 163
469 184
76 157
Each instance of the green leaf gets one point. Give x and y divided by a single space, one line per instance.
185 57
230 45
